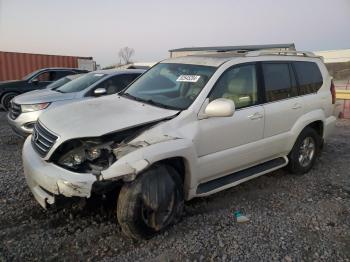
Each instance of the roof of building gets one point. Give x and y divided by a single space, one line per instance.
291 46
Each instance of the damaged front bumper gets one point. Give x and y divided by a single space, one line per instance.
47 180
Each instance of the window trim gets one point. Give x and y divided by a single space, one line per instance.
258 83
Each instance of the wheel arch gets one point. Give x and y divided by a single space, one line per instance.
318 126
178 153
314 120
7 92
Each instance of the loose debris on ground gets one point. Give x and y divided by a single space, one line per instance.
292 218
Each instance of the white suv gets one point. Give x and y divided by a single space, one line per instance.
188 127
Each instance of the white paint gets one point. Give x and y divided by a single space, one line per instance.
211 147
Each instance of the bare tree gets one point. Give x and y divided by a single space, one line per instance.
125 55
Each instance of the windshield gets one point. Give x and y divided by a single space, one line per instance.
80 83
173 86
30 75
58 83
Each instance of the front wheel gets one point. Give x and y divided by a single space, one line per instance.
304 152
150 203
6 100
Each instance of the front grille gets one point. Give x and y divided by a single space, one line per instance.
42 139
15 110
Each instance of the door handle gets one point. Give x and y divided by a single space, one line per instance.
296 106
255 116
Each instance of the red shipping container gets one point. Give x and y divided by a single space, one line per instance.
15 66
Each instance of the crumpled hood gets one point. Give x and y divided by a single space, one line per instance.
99 116
42 96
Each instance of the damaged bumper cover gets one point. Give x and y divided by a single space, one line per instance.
47 180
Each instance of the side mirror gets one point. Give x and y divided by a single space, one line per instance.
220 107
100 91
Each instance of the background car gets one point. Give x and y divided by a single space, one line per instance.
60 82
36 80
26 108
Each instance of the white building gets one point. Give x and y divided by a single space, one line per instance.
335 56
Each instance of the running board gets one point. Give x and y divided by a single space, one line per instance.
241 176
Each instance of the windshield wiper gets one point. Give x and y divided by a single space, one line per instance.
152 102
149 101
131 97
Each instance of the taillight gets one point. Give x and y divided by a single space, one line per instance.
333 92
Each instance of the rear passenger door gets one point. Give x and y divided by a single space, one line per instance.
283 106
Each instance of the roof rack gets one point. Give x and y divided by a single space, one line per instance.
286 53
289 46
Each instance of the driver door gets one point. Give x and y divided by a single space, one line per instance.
41 80
227 144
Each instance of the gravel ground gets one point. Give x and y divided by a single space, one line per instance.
292 218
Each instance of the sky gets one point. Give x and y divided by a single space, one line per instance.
152 27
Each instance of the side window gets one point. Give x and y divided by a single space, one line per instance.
279 83
309 77
117 83
127 79
239 84
43 77
55 75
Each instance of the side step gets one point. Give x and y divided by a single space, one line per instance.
241 175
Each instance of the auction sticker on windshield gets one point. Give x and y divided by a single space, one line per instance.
188 78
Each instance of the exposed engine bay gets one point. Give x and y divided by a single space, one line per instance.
93 155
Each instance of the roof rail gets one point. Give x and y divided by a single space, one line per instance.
285 52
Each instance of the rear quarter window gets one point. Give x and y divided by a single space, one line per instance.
278 81
309 77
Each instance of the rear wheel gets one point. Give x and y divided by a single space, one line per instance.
150 203
304 152
6 99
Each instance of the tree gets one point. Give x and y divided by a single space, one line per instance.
125 55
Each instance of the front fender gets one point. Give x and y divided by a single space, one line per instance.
143 157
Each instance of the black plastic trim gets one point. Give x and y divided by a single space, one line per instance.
229 179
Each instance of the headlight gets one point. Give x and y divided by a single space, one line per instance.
87 156
73 159
34 107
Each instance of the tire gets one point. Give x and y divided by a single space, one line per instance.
303 155
150 203
5 100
